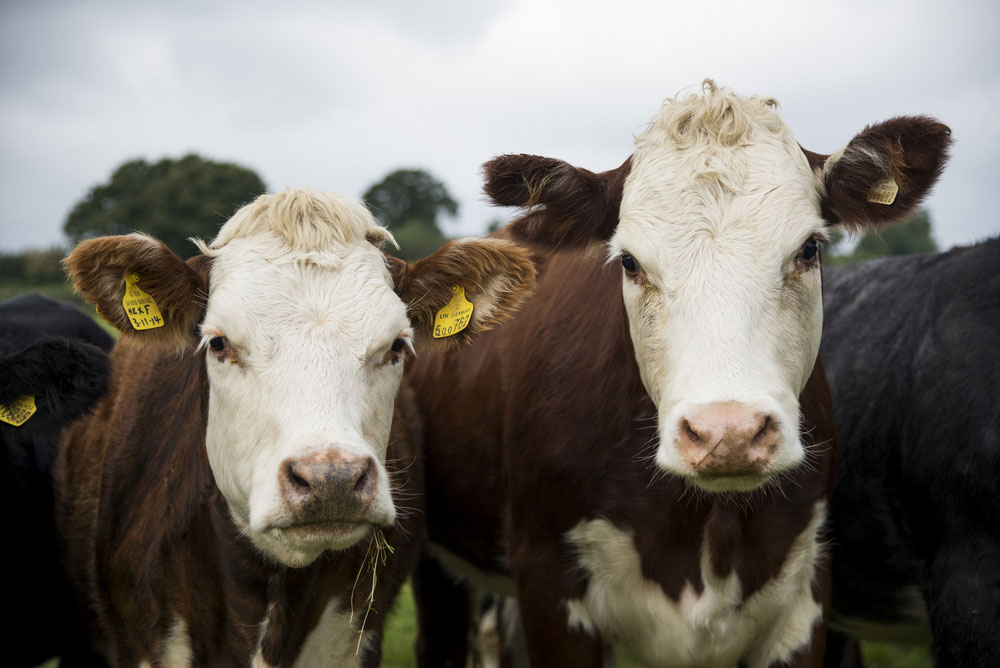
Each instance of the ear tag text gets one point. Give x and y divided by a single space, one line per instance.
455 315
140 307
18 412
883 192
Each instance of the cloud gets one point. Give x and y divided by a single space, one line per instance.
335 95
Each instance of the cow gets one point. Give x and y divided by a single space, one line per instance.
910 346
53 370
645 452
250 491
29 317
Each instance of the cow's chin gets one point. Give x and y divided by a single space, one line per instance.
721 484
299 545
738 482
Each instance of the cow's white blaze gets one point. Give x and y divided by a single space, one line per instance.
307 305
719 201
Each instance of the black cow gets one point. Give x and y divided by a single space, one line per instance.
52 352
911 350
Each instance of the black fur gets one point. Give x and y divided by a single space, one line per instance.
910 347
67 376
26 317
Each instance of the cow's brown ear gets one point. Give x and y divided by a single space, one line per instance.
397 269
882 175
493 275
566 206
167 295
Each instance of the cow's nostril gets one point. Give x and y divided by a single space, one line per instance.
329 485
366 479
764 430
298 482
690 433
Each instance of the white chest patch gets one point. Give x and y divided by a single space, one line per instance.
333 642
713 629
175 650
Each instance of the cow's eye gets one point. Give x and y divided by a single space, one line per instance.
809 252
222 350
629 263
396 352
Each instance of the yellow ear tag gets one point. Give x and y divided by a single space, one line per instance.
883 192
18 412
139 306
455 315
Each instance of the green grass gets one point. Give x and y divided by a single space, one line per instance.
884 655
400 632
56 289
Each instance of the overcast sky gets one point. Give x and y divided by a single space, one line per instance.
334 95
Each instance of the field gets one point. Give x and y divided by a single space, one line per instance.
57 290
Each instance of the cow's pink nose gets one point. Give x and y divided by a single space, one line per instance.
727 439
328 486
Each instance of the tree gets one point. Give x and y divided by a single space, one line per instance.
912 235
408 202
170 199
416 239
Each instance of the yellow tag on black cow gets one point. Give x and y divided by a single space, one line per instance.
883 192
455 315
140 307
17 413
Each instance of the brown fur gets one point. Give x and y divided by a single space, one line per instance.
567 207
497 276
98 267
912 150
816 160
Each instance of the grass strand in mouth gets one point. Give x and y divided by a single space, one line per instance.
378 551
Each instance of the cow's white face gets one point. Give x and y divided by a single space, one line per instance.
716 220
304 360
719 222
303 324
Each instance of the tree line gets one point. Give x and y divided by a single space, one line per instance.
174 199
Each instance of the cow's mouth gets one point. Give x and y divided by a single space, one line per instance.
720 482
310 532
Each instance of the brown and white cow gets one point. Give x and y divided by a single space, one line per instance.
644 454
227 502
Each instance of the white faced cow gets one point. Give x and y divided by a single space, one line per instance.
718 232
661 421
219 509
